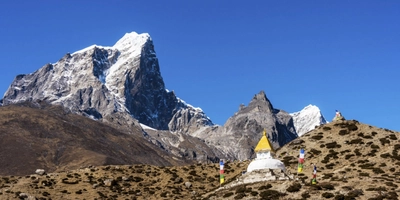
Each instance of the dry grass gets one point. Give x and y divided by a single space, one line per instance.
51 139
355 161
122 182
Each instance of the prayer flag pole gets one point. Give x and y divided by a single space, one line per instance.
221 172
314 177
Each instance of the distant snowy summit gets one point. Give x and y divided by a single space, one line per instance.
307 119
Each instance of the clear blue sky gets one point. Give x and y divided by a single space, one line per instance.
218 54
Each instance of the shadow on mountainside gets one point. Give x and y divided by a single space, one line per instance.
54 140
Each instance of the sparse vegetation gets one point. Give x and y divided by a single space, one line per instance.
328 195
271 194
343 132
228 194
317 137
363 174
331 145
326 128
372 166
295 187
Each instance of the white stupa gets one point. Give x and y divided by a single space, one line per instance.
264 159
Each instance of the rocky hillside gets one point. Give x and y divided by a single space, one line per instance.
354 160
43 136
119 182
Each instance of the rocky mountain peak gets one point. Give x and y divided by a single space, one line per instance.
132 40
307 119
245 127
98 81
260 102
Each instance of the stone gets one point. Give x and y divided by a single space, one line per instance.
108 182
26 196
178 180
188 184
23 195
40 171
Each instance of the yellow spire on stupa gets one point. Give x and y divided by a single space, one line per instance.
263 144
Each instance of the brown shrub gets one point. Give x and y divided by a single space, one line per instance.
374 146
271 194
392 137
326 128
265 187
391 184
355 193
357 152
385 155
240 189
330 166
328 195
363 174
295 187
331 145
228 194
366 166
352 127
317 137
378 171
240 196
384 141
343 132
254 193
356 141
315 151
305 195
327 186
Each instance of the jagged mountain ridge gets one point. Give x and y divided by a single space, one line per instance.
121 84
99 81
238 137
307 119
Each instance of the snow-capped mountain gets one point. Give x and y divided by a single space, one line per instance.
100 81
122 85
307 119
